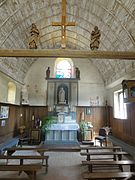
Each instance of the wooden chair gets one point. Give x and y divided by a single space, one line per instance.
102 137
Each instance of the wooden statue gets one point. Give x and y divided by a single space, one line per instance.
95 38
77 73
34 37
48 73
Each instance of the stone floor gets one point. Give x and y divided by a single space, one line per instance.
62 166
126 147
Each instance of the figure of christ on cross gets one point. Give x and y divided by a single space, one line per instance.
63 24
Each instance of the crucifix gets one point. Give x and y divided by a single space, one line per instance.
63 24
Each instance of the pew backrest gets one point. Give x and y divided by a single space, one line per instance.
106 175
112 163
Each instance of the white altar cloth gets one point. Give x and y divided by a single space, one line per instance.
64 126
62 132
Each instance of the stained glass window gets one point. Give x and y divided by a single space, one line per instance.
63 69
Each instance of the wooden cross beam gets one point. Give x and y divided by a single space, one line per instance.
121 55
63 24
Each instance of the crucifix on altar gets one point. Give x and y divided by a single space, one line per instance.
63 24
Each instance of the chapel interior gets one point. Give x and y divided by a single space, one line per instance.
67 72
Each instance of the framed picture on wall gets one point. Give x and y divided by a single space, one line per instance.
4 111
88 111
3 123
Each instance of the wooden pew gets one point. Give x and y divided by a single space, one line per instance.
41 151
106 175
115 154
13 178
10 151
113 148
110 163
30 169
22 158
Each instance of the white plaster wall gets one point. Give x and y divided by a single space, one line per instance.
91 84
4 80
3 88
36 82
110 94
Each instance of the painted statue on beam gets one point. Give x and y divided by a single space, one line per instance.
95 39
34 37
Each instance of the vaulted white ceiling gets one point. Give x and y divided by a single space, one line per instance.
114 18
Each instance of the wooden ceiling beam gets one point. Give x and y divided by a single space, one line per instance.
67 53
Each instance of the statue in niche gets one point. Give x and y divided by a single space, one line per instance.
62 96
25 98
34 37
48 73
95 39
77 71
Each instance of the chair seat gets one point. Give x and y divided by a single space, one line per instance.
100 138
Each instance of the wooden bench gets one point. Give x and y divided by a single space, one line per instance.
13 178
114 154
113 148
22 158
10 151
30 169
106 175
110 163
41 151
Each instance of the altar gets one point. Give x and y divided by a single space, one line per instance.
62 101
62 132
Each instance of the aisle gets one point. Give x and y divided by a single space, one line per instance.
64 165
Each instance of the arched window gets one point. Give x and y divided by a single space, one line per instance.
63 68
11 92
